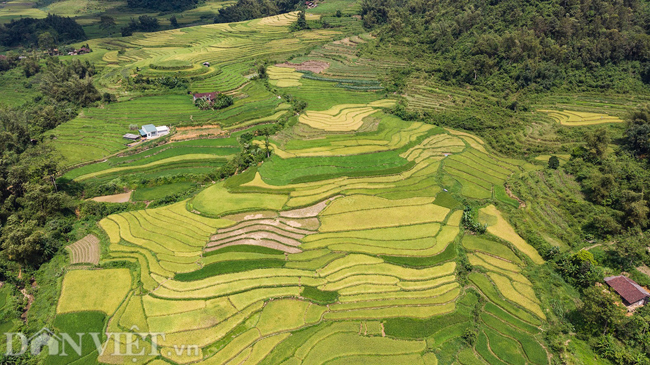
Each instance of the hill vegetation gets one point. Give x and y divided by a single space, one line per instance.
506 46
29 32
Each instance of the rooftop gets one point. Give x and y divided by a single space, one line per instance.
149 128
209 96
627 288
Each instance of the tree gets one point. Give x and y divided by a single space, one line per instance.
301 22
46 41
223 101
635 208
553 162
30 66
173 21
630 251
599 187
597 143
106 23
339 13
599 311
261 71
148 23
637 135
109 98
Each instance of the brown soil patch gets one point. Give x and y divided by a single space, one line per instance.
267 229
256 228
206 131
644 269
522 204
263 243
313 66
310 224
259 236
311 211
268 222
117 198
249 216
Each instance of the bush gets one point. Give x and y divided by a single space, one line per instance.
470 222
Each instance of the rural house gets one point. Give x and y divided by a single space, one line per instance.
151 131
211 97
632 293
131 136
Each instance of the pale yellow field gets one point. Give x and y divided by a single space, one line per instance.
88 290
573 118
499 227
344 117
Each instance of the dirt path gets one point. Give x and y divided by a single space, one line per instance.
313 66
522 204
117 198
644 269
30 300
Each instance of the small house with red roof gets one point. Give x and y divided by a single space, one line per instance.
633 294
211 97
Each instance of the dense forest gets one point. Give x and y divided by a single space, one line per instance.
35 214
252 9
516 44
28 32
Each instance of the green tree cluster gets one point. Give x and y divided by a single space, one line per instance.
30 32
512 44
144 23
253 9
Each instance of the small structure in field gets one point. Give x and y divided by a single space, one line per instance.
80 51
209 97
206 64
150 131
632 293
131 136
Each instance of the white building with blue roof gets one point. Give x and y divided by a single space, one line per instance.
150 131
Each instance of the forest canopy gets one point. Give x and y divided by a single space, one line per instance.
253 9
514 44
25 32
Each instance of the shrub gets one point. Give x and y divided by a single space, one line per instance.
470 222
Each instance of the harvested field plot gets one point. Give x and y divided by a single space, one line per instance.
85 251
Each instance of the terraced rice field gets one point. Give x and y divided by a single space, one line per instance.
342 118
574 118
284 77
85 251
343 247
